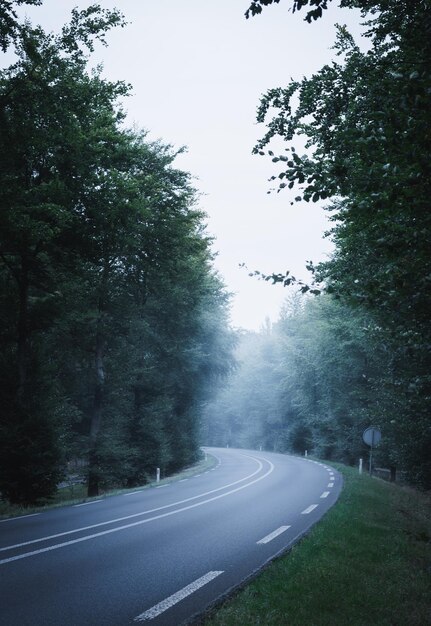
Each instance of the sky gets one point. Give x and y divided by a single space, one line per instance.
198 69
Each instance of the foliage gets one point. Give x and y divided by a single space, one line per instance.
113 318
255 7
366 121
9 23
315 382
309 383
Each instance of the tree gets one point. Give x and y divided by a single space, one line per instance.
366 119
44 97
314 382
110 303
333 367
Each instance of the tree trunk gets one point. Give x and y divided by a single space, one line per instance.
96 418
23 330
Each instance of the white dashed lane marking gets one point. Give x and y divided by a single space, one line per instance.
273 535
166 604
309 509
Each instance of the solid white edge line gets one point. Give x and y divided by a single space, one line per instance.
56 546
166 604
273 535
133 515
309 509
87 503
325 494
12 519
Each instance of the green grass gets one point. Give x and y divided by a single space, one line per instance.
367 563
76 494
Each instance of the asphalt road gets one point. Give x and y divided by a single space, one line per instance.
160 555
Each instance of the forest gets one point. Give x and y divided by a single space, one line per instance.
359 355
113 320
116 350
311 384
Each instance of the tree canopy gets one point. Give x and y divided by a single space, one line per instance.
113 318
366 120
114 324
313 14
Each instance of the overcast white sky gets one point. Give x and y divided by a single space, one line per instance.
198 69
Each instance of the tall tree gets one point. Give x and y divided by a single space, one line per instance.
44 96
105 259
367 119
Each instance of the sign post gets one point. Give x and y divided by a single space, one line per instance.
371 437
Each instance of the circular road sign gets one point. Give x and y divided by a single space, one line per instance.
372 436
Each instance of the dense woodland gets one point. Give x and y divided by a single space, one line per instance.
360 354
112 318
113 323
313 382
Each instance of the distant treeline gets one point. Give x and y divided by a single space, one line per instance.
113 324
361 354
112 320
314 382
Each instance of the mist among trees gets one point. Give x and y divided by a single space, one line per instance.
113 320
314 381
360 354
116 347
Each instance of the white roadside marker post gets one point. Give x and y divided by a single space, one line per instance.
157 474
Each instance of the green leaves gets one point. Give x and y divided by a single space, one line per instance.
255 7
9 24
89 24
110 309
358 149
366 119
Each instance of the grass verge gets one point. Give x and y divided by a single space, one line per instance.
76 493
367 563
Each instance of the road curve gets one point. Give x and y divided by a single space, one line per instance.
161 555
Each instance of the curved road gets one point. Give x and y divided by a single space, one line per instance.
159 555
